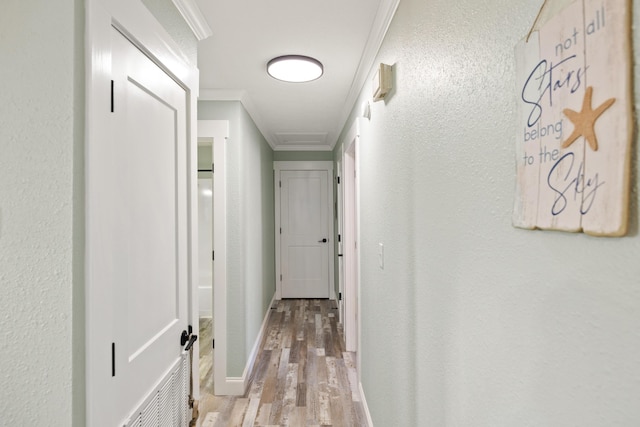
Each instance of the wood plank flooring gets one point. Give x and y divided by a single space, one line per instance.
302 377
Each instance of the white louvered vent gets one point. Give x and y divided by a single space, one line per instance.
168 415
150 413
168 405
182 387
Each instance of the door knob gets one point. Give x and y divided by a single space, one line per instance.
192 340
188 338
322 241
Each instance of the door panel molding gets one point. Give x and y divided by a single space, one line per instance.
281 166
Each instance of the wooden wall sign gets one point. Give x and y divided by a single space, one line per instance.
574 130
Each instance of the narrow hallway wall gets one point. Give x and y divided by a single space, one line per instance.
42 213
250 229
473 322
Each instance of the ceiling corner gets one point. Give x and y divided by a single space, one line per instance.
243 97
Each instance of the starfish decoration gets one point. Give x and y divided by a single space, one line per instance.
584 122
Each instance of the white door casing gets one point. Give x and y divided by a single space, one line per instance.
351 238
218 131
340 238
140 172
304 229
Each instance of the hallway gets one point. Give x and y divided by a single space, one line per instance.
302 377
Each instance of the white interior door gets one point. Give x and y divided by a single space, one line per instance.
142 217
305 237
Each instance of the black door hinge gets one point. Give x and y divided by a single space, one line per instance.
112 96
213 255
339 296
113 359
338 180
339 238
213 343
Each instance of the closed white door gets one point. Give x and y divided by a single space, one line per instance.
141 212
305 235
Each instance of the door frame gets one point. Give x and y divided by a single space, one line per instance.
219 131
279 166
339 236
132 19
351 238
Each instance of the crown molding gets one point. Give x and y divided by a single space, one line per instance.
384 16
243 97
247 103
194 18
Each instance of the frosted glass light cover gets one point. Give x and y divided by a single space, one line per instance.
295 68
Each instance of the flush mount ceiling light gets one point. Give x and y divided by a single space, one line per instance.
295 68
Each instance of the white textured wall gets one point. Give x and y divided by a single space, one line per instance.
169 17
250 229
473 322
41 138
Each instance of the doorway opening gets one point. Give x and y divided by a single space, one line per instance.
205 262
350 250
217 131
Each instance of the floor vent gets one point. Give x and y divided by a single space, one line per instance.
168 405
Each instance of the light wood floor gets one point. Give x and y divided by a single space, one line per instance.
302 377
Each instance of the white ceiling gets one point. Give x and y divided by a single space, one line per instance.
344 35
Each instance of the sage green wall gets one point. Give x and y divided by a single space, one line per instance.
205 157
473 322
250 229
42 213
302 156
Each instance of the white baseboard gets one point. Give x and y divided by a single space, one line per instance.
237 386
365 406
234 386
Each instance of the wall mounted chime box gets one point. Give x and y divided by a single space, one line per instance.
382 82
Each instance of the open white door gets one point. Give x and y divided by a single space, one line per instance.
139 220
145 203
